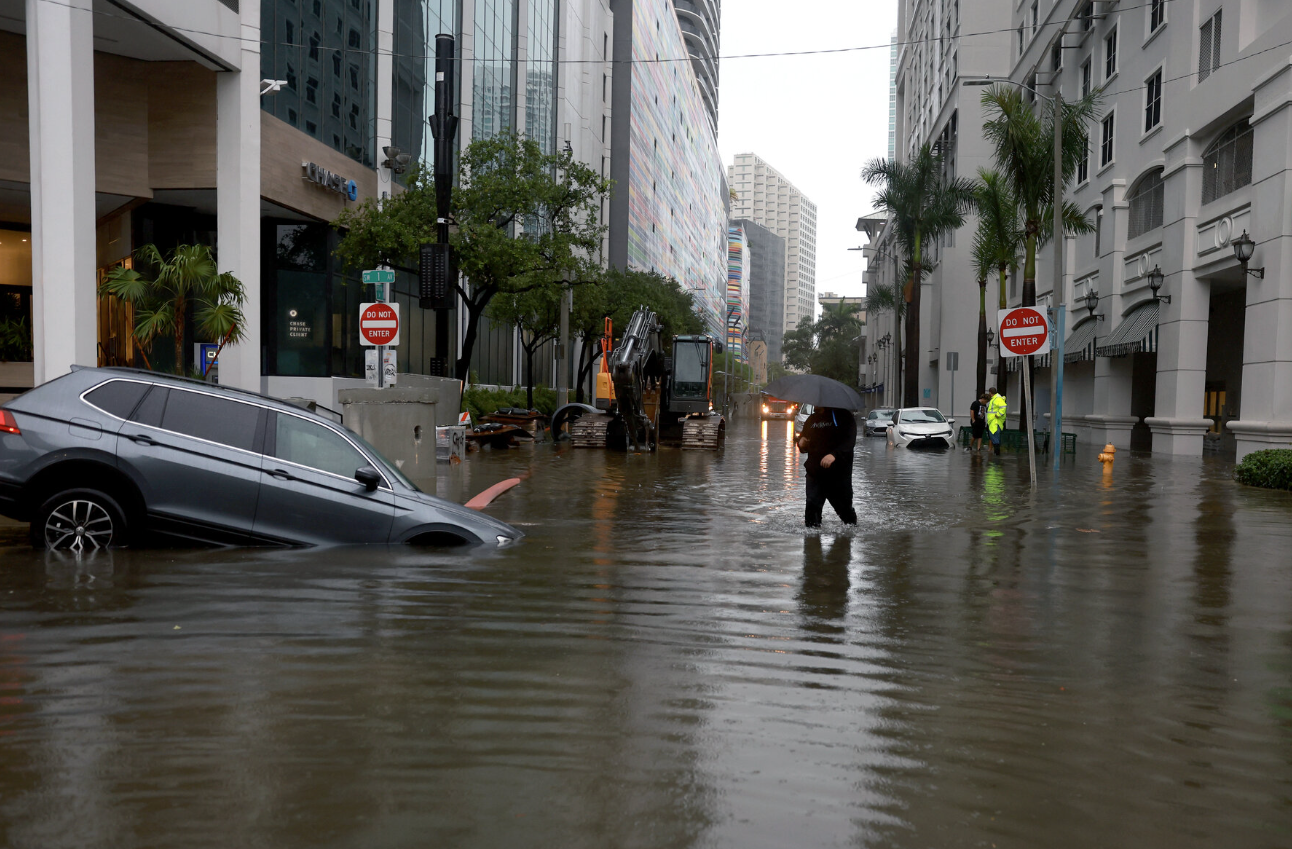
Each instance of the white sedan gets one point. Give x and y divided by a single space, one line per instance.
918 427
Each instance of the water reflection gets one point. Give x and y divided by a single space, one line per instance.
669 660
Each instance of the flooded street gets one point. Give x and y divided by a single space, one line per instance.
669 660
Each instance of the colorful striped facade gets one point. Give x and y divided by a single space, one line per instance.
737 290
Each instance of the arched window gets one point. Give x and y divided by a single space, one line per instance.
1146 204
1227 163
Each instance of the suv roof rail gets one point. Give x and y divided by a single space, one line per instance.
193 380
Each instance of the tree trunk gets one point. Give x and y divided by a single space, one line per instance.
981 374
475 308
529 373
1029 300
911 394
897 357
179 336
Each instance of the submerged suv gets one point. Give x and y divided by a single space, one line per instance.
100 456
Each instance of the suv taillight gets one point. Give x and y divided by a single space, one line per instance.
7 423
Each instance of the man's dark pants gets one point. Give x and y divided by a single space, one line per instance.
834 485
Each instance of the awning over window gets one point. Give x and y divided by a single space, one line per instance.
1136 333
1013 364
1080 346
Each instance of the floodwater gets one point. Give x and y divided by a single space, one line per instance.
669 660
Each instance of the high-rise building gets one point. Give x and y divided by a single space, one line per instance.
699 20
668 209
766 286
892 95
737 290
764 196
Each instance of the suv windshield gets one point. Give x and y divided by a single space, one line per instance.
921 417
880 414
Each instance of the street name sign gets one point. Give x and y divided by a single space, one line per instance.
1023 332
378 324
379 275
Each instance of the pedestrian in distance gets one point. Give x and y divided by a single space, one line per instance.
977 422
829 439
996 409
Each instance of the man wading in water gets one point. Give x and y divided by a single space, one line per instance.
829 437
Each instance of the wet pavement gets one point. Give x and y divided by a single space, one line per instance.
668 659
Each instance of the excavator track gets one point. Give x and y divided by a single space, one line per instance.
591 431
704 433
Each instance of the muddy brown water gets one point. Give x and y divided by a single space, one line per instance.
669 660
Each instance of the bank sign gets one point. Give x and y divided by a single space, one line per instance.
327 179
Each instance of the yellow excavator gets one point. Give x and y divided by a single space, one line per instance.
644 398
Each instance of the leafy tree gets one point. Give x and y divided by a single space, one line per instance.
927 203
187 280
996 245
525 220
826 346
537 314
1024 151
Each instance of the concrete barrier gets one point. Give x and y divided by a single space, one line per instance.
400 423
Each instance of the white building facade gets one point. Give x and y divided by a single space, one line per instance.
1191 149
763 195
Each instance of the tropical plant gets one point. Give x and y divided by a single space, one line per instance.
1023 139
15 340
525 219
826 346
927 203
1270 468
185 282
996 246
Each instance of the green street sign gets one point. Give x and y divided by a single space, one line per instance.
379 275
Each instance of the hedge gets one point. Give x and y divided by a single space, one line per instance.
1271 469
481 402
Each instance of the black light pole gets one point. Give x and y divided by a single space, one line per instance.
438 271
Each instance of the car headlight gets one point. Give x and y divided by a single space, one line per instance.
764 408
505 540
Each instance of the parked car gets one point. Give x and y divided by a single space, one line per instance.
107 456
878 421
918 427
801 417
775 408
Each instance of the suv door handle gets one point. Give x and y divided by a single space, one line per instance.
282 475
143 439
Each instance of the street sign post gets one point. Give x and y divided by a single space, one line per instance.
1024 331
379 326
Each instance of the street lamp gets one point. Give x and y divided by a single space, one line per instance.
991 337
1155 278
1243 247
1092 304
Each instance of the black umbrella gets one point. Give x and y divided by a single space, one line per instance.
815 389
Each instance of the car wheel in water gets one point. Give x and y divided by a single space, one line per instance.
78 520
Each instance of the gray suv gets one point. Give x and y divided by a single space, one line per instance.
100 456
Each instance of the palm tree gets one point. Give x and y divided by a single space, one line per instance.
995 249
927 203
1024 142
890 299
187 279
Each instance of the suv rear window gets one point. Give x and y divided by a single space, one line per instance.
117 397
213 419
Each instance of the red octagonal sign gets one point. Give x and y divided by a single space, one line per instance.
1023 331
379 324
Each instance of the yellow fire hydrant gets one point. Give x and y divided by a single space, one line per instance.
1107 456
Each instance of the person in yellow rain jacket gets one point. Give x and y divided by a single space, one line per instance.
996 408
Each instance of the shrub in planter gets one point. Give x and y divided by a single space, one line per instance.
15 340
1271 468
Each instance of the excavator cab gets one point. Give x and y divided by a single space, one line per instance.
692 389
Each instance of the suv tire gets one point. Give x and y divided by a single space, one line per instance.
79 520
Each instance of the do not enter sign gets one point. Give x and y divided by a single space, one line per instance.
1023 331
378 324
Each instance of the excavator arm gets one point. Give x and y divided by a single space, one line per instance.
636 367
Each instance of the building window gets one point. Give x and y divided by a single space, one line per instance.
1056 56
1153 101
311 90
1083 167
1099 227
1085 78
1035 18
1227 162
1110 54
1209 47
1156 14
1106 140
1146 205
1086 16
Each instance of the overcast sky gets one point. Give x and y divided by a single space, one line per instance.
816 119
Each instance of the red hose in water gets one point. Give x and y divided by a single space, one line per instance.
482 500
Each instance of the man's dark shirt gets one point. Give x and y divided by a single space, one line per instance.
829 431
974 415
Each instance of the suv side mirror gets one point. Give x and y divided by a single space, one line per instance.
368 476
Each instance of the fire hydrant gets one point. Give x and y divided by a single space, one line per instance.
1107 456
